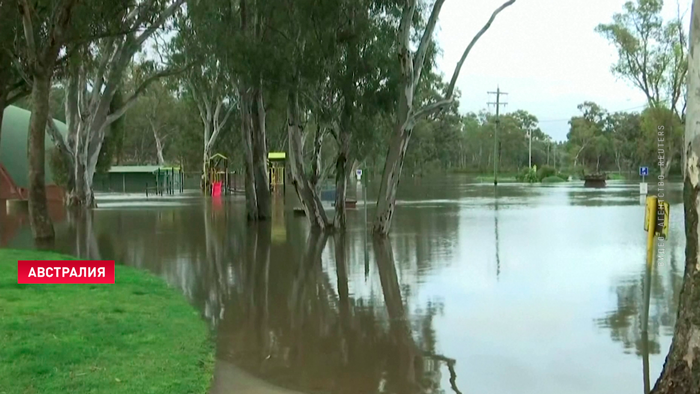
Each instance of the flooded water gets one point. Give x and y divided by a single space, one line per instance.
537 289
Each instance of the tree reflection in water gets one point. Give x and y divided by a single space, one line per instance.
289 322
283 310
625 321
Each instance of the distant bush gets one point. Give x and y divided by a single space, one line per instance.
553 179
528 175
545 171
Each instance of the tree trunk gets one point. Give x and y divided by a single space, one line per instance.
42 227
262 180
681 372
316 163
247 130
159 144
305 189
386 200
342 170
667 166
2 112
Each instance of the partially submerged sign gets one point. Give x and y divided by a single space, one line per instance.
657 216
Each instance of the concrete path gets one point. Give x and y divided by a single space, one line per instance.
229 379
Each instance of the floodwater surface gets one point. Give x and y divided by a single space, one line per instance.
533 289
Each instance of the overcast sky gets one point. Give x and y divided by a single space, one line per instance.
544 53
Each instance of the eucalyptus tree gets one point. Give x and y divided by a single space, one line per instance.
411 66
236 33
681 372
653 56
95 72
207 82
46 29
333 72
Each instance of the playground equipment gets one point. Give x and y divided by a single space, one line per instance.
276 164
216 180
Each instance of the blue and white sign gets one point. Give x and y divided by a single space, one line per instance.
358 174
643 171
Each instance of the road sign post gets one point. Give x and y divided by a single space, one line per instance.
643 187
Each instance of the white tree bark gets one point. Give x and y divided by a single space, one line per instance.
681 374
304 187
90 92
411 67
214 111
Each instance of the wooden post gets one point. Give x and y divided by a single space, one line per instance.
124 183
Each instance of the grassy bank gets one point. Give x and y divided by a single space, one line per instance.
135 336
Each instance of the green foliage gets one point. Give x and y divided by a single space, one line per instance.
105 338
528 175
651 53
545 171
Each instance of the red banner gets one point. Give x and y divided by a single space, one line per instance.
68 271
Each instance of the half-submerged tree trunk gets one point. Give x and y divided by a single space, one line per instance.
681 372
411 66
247 137
342 171
42 55
305 188
260 169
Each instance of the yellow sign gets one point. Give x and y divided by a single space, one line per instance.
650 213
657 216
663 211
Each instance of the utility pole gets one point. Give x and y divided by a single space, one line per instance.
498 104
529 134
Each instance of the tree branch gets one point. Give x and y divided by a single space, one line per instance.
144 85
430 108
57 138
158 22
27 11
458 68
18 90
419 60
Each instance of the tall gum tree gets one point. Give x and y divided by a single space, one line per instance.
411 67
681 371
46 29
94 74
652 56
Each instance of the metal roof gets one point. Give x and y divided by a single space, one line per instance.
13 145
140 169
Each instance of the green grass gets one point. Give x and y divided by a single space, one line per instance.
135 336
616 177
553 179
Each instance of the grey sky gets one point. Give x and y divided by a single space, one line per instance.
544 53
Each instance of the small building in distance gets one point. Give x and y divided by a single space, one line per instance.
136 179
14 164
